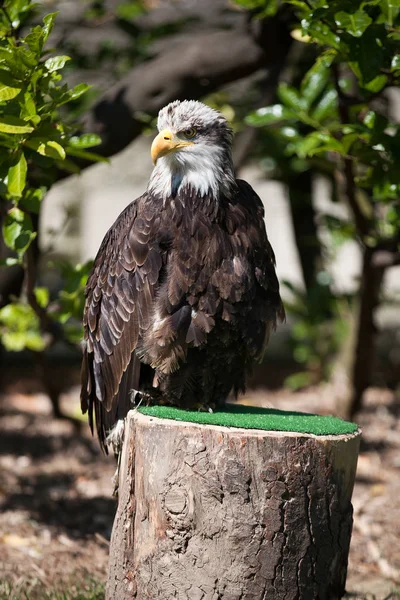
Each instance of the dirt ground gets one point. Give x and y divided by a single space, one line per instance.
57 507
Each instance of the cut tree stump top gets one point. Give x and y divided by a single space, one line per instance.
251 417
244 502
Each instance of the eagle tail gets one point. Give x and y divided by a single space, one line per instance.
120 405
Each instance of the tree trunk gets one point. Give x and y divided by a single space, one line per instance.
353 372
304 226
371 285
208 512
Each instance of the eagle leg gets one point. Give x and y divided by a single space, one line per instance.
205 407
143 397
115 439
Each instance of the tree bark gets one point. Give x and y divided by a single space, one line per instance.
353 372
370 289
304 226
208 512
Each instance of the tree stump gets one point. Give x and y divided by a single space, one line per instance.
208 512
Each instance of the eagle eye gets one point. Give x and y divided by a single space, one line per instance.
189 133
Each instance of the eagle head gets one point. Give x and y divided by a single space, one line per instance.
191 150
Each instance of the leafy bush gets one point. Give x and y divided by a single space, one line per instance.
332 118
37 140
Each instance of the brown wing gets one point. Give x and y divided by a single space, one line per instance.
267 307
119 300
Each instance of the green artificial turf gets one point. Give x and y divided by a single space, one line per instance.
251 417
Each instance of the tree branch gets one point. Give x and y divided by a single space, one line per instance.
195 65
362 223
8 18
46 324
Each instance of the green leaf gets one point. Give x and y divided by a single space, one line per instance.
37 144
390 9
32 199
48 148
16 341
7 57
26 58
129 10
377 84
269 115
56 63
298 380
316 79
331 145
87 140
369 119
290 96
298 3
263 8
17 177
28 108
326 107
10 124
353 23
317 142
320 33
73 332
35 40
369 53
48 25
20 328
8 89
74 93
395 66
376 121
42 296
86 155
57 150
304 146
68 166
18 230
348 140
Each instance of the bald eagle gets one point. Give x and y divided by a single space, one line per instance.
183 292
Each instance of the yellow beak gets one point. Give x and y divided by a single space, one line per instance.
165 143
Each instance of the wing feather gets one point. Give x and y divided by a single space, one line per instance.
129 261
163 280
267 307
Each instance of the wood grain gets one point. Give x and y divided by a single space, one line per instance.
208 513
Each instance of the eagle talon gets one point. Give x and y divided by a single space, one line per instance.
143 397
132 396
204 407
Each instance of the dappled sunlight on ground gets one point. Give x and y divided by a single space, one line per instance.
57 508
55 497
